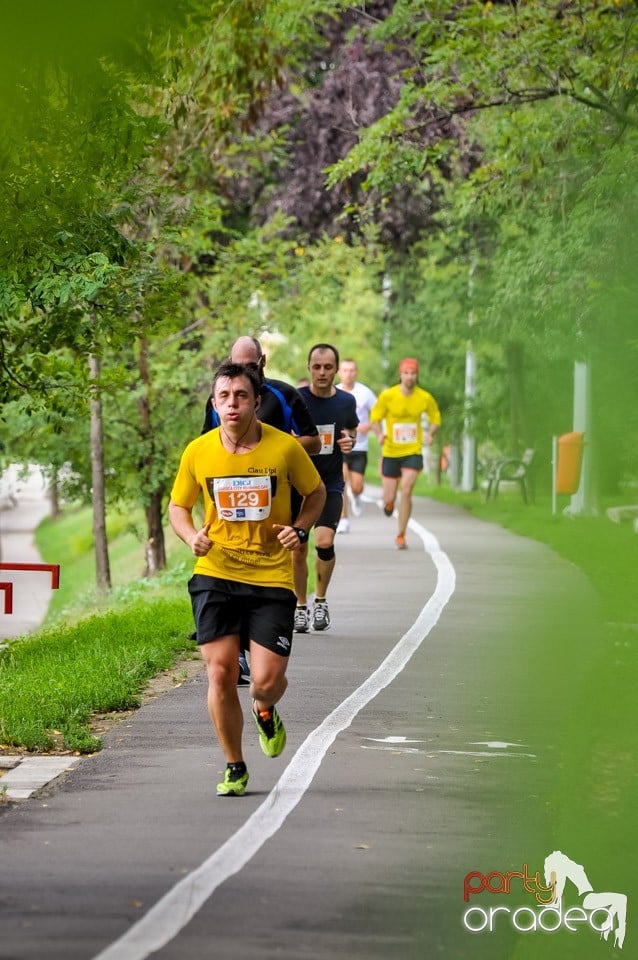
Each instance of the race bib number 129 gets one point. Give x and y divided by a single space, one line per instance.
242 498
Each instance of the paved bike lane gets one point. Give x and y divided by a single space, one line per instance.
443 770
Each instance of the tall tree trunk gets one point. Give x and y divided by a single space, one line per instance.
155 550
434 463
102 567
155 553
54 496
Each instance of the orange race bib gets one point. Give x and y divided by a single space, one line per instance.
404 433
242 498
327 435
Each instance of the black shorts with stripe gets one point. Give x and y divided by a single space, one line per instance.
222 608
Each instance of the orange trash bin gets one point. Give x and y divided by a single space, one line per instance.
570 459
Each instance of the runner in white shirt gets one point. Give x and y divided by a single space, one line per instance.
354 466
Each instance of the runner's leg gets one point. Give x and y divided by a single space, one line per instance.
220 657
408 479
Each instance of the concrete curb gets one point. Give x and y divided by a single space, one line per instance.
25 775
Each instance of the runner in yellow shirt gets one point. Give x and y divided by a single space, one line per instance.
242 589
400 409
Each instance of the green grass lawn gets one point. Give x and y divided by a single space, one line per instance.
52 683
95 653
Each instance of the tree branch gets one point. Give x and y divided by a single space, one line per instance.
533 95
179 335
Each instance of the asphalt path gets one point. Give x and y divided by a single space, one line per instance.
417 751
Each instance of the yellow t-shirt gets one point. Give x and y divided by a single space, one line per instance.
244 495
402 415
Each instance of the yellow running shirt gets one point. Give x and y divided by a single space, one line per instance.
244 495
402 415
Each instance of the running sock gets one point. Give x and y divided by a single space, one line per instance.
237 769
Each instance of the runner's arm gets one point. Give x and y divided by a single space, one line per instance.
312 445
308 515
377 416
434 419
304 427
181 520
311 507
348 436
431 431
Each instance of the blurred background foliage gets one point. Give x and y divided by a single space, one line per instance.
396 177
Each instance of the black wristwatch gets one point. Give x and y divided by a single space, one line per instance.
302 534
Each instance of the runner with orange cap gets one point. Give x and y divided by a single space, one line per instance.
401 409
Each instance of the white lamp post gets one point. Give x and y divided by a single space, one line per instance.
468 476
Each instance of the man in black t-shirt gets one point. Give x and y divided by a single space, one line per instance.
335 413
281 404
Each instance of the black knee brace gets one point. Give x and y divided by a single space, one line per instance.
326 553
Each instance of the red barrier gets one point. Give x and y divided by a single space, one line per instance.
7 588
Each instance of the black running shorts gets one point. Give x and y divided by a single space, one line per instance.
356 461
331 513
225 607
392 466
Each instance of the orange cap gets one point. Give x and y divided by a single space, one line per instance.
409 363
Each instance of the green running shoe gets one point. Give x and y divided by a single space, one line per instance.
272 733
233 784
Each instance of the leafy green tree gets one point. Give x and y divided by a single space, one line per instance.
547 96
77 124
265 165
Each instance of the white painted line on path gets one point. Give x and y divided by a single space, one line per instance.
481 753
392 740
496 744
176 908
399 745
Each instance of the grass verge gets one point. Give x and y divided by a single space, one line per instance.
53 682
95 653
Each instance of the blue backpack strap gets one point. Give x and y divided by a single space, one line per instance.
211 418
286 408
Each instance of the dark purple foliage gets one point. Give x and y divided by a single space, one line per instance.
353 83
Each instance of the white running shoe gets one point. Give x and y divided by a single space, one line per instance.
320 615
343 526
302 619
